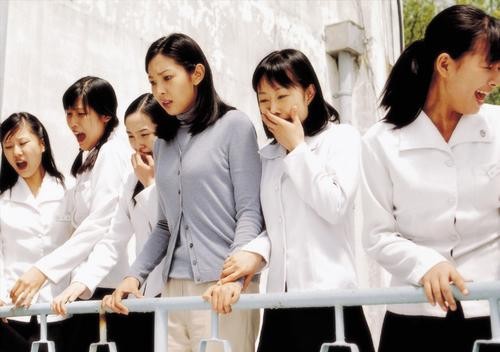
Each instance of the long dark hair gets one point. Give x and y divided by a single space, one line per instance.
9 176
146 104
455 31
99 95
208 107
291 68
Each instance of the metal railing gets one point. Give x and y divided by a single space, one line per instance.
489 291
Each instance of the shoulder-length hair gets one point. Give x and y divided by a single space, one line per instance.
146 104
208 107
99 95
8 175
291 68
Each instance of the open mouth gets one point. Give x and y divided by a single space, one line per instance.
480 96
21 165
80 137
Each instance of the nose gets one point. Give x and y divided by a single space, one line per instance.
18 150
71 120
160 89
273 107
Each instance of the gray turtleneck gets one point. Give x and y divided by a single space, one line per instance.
208 192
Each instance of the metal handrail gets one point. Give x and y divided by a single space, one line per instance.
489 291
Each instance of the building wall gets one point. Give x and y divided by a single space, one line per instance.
50 44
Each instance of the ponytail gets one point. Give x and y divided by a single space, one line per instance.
407 86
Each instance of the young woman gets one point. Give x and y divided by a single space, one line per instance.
310 174
207 173
136 215
432 181
31 197
100 170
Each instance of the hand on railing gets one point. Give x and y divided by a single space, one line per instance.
241 264
129 285
223 296
69 295
437 288
26 287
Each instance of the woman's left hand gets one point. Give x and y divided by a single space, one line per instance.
287 133
69 295
223 296
26 287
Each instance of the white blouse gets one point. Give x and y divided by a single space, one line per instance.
307 200
26 222
92 203
131 219
426 201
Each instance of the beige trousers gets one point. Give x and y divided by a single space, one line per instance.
187 328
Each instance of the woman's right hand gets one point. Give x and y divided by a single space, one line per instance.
437 288
241 264
130 285
144 168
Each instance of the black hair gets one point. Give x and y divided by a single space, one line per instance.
291 68
208 107
8 175
99 95
146 104
455 31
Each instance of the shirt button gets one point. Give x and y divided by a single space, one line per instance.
190 245
482 133
449 163
178 172
194 262
186 227
179 192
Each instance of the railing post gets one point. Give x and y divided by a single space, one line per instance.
339 324
161 331
103 332
43 337
495 318
214 338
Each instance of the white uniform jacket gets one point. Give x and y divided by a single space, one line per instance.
427 201
25 234
307 200
93 203
137 219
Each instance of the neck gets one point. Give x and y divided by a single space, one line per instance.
35 181
441 113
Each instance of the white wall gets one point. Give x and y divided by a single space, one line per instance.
50 44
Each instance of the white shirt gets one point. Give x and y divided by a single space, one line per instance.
93 203
427 201
137 219
25 237
307 200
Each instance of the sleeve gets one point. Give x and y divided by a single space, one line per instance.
4 296
108 175
328 185
260 245
154 249
106 252
381 240
146 198
245 171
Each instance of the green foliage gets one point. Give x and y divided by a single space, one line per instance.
418 13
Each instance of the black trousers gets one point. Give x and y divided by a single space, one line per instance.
17 336
131 333
306 329
429 334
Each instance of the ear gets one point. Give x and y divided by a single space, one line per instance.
443 64
310 93
42 143
105 118
198 74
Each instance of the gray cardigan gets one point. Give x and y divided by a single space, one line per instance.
211 189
